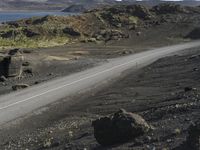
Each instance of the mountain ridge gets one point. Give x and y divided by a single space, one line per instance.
60 5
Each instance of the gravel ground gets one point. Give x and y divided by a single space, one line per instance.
156 92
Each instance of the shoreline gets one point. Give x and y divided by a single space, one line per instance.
29 14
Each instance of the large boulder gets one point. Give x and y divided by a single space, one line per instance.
119 127
193 138
11 64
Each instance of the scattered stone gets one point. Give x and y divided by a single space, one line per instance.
3 79
169 140
70 133
195 69
36 82
14 51
68 146
138 33
187 89
19 86
187 119
50 132
193 56
25 64
4 84
50 74
119 128
193 138
177 131
27 51
148 138
50 143
28 71
126 52
92 40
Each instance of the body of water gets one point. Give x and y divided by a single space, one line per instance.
12 16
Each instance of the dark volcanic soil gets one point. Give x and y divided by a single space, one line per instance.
156 92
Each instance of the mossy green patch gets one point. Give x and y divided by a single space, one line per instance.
133 20
24 42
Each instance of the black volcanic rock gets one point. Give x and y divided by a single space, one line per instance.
118 128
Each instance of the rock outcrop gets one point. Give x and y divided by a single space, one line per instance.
119 128
107 35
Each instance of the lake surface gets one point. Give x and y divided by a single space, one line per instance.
12 16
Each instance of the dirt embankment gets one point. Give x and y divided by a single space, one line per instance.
165 93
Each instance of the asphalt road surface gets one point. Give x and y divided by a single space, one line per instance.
20 103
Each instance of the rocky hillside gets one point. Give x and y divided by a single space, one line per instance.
98 25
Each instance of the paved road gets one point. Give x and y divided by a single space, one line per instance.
19 103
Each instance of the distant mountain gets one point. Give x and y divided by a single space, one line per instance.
48 4
63 4
30 5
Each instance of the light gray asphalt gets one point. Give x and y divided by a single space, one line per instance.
22 102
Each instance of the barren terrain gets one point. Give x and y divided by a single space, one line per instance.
159 92
156 92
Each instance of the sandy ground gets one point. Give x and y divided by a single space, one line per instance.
156 92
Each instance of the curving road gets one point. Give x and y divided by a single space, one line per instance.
19 103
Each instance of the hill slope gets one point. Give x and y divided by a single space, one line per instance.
98 25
